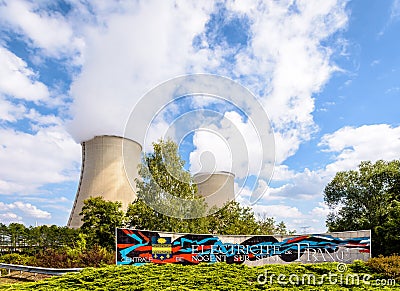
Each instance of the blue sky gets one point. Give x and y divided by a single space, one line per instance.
327 74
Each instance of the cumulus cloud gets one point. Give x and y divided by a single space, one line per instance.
305 185
278 210
321 210
212 153
49 31
310 221
351 145
10 111
291 63
32 160
25 209
44 152
19 81
10 217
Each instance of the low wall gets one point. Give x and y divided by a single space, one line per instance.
140 247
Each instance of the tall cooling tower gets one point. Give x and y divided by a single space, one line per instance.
217 187
103 173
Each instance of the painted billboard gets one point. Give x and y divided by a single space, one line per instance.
139 247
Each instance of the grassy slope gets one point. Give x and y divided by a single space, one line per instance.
200 277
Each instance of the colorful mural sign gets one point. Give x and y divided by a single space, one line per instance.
139 247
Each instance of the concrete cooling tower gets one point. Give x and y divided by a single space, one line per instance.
103 173
217 187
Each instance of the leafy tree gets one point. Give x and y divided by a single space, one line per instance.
162 171
233 219
389 232
165 185
100 218
367 198
163 188
281 229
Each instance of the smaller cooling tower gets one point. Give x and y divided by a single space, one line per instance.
103 173
217 187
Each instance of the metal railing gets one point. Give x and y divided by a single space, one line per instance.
38 270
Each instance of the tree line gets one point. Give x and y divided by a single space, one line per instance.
16 237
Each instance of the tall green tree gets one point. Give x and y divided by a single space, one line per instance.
367 198
162 190
165 185
233 219
100 218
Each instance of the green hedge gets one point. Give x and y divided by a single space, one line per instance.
219 276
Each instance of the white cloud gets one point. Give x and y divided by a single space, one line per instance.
17 80
278 211
31 210
305 185
312 221
282 173
322 210
287 52
158 129
49 31
32 160
9 111
10 217
26 209
364 143
375 63
393 90
393 17
286 64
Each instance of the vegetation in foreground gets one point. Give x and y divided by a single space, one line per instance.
218 276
